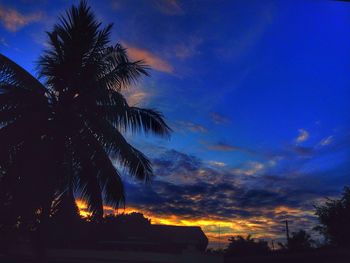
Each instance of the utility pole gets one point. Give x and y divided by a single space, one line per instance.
219 238
287 232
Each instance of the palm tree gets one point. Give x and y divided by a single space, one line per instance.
58 137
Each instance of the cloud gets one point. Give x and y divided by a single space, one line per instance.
303 136
326 141
137 96
250 168
217 118
13 20
226 147
253 197
116 5
3 42
217 163
193 127
189 191
168 7
222 147
171 163
186 191
303 151
150 58
188 49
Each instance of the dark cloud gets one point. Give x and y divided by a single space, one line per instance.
200 191
173 162
276 186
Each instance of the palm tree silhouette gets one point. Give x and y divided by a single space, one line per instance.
58 137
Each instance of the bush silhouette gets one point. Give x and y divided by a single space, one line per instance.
240 246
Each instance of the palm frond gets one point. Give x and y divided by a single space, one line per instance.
116 110
93 161
13 74
119 71
89 189
116 145
108 176
20 93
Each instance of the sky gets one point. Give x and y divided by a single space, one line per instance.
257 94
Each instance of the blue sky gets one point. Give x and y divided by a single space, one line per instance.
257 93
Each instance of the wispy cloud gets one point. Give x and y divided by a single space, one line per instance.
165 7
326 141
250 168
115 4
3 42
13 20
217 163
222 147
303 136
217 118
168 7
193 127
151 59
136 95
188 49
226 147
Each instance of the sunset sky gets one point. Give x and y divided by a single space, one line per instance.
257 94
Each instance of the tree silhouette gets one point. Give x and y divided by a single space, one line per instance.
299 241
334 218
133 219
240 246
58 137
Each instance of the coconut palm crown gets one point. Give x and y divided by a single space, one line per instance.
58 136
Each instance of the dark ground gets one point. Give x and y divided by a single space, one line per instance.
317 256
325 256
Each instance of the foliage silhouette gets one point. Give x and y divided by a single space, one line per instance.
298 242
334 218
58 137
240 246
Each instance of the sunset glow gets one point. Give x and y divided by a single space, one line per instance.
217 230
256 94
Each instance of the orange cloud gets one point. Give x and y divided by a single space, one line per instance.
150 58
14 20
